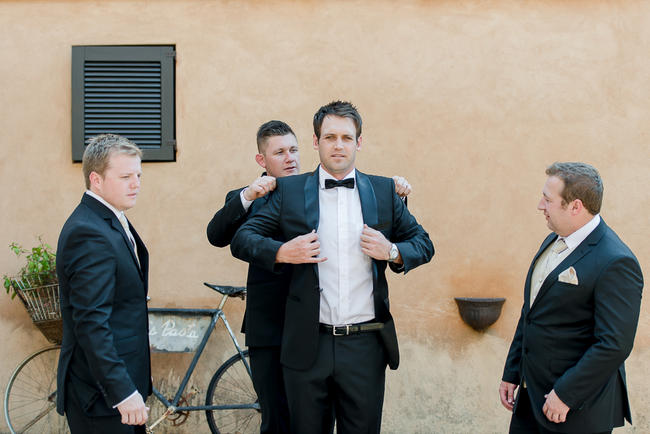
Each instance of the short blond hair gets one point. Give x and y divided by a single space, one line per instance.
99 150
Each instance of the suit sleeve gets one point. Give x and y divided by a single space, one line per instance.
411 239
227 220
90 263
511 372
253 243
617 302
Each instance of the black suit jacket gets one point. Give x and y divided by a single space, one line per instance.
575 338
105 351
293 210
266 290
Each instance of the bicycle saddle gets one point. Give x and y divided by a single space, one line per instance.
232 291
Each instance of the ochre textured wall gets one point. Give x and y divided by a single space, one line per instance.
469 100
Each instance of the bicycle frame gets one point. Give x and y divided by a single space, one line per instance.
216 315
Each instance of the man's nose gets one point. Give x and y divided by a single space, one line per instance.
540 205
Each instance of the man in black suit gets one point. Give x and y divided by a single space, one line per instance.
267 291
581 307
338 332
104 372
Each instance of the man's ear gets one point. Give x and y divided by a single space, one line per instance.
260 160
315 142
359 140
95 180
577 206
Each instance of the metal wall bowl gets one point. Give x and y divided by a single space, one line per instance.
479 313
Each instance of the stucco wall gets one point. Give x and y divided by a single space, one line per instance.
469 100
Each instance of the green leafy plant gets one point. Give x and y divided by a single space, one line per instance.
39 270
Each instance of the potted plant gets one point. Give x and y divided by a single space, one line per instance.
37 287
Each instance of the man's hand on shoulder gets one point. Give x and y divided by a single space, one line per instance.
402 187
259 188
554 409
507 394
133 410
303 249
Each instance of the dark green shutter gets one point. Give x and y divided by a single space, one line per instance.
126 90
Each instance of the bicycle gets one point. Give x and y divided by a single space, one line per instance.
231 403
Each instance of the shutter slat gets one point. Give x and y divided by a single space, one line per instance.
123 98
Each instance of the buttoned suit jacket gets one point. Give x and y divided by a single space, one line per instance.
575 338
266 290
105 350
293 210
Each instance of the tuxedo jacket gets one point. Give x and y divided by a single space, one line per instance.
105 351
266 290
575 337
293 210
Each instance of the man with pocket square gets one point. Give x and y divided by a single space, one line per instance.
581 308
344 227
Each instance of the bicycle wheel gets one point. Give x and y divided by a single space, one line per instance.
30 398
231 385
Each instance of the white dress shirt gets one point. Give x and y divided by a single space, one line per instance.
549 260
346 277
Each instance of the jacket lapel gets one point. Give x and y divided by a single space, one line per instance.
368 199
585 247
549 239
312 209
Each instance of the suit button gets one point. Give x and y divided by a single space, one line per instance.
528 321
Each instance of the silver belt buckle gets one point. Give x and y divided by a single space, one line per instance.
347 331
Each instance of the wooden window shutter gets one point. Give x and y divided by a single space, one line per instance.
126 90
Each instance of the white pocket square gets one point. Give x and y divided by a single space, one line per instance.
568 276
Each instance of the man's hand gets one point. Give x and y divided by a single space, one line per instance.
554 409
507 394
259 188
303 249
375 245
133 410
402 187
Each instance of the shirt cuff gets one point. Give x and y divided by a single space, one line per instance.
245 202
125 399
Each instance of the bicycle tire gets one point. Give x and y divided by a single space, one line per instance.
30 397
232 385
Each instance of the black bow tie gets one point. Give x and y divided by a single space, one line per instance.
347 183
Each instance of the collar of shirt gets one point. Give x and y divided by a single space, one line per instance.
574 240
323 175
108 205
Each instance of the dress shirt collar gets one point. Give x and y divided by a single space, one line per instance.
106 204
323 175
574 240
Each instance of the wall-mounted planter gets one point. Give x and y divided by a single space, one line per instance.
479 313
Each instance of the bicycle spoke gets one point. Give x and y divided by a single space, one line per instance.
232 385
30 403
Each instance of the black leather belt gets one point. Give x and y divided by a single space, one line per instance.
350 329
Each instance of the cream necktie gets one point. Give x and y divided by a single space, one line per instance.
125 224
559 246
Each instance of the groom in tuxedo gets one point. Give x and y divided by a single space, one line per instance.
266 290
343 228
581 307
